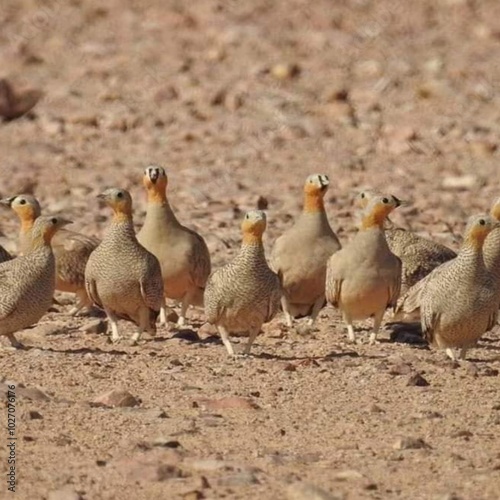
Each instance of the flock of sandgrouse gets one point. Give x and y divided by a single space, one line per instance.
129 276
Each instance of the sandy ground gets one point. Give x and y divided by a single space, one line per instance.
240 101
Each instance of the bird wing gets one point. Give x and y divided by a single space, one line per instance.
91 288
429 321
395 286
7 281
200 258
334 278
151 284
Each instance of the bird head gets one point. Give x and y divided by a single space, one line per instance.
377 209
478 227
253 226
315 187
495 209
25 206
45 227
119 200
155 181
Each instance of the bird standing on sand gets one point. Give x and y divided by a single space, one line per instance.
245 293
419 256
121 276
300 255
27 282
71 249
182 253
460 303
364 277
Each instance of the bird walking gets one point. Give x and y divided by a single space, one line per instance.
27 282
121 276
300 255
460 303
245 293
364 277
182 253
71 249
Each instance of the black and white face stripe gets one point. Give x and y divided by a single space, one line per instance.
154 173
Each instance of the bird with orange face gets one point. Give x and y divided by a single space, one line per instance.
182 253
364 277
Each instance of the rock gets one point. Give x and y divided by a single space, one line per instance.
97 326
34 415
15 103
348 475
482 149
417 380
409 443
172 317
228 403
116 398
243 478
210 465
32 393
66 493
397 139
262 203
462 182
306 491
285 71
401 369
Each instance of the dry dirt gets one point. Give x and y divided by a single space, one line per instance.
242 100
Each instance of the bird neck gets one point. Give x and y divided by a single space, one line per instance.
159 210
27 225
39 241
372 221
313 203
122 217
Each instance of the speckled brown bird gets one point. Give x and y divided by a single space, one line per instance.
245 293
408 308
4 255
460 303
301 253
71 249
419 256
182 253
364 277
121 276
27 282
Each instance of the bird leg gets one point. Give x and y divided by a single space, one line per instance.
163 315
350 329
318 305
14 342
251 339
113 321
450 354
377 321
224 335
462 353
286 310
184 307
81 302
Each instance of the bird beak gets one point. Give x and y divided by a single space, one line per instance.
153 175
7 202
400 203
101 196
65 222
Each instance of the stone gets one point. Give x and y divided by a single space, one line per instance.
460 182
65 493
400 369
228 403
410 443
417 380
32 393
116 398
34 415
285 71
307 491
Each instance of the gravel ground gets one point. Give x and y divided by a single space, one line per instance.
240 101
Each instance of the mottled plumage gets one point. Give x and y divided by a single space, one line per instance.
27 282
419 256
71 249
460 303
364 277
408 308
121 276
182 253
300 255
245 293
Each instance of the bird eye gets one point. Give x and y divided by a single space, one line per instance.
385 200
482 222
362 195
120 195
22 202
54 221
